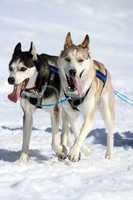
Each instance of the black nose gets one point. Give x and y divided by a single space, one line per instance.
72 72
11 80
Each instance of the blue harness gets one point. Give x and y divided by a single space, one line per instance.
101 76
53 69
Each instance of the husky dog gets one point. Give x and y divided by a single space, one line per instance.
36 83
87 84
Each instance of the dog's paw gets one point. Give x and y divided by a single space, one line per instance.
74 155
108 155
63 154
24 158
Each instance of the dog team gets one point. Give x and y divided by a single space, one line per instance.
82 84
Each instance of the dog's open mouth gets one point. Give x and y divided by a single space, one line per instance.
73 85
15 95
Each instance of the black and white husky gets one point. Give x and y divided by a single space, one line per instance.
87 84
35 83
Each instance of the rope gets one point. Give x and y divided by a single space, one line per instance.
123 97
120 95
52 105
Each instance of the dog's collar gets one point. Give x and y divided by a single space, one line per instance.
76 101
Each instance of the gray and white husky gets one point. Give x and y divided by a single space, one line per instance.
35 83
87 84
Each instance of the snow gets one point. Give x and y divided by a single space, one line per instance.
44 177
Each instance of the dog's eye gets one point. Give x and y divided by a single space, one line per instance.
67 59
23 69
80 60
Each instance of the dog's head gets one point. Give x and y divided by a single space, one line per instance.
73 62
21 69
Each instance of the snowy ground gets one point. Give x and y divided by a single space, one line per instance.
44 177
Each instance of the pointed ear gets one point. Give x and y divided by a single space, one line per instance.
68 41
31 47
33 52
85 43
17 49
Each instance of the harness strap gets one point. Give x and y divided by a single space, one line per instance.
36 98
33 100
101 76
53 69
38 102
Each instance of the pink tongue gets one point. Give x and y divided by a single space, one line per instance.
78 86
14 96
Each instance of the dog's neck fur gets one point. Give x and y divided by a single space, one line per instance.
32 80
88 76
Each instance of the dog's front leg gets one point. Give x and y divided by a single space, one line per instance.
74 154
27 128
76 127
56 139
65 140
59 143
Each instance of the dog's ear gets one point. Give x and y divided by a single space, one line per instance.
17 49
33 52
85 43
31 47
68 41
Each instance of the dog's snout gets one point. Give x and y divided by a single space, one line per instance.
11 80
72 72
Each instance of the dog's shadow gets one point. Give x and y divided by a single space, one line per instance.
13 156
124 139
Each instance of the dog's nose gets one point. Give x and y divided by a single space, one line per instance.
72 72
11 80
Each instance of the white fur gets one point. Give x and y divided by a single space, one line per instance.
32 79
